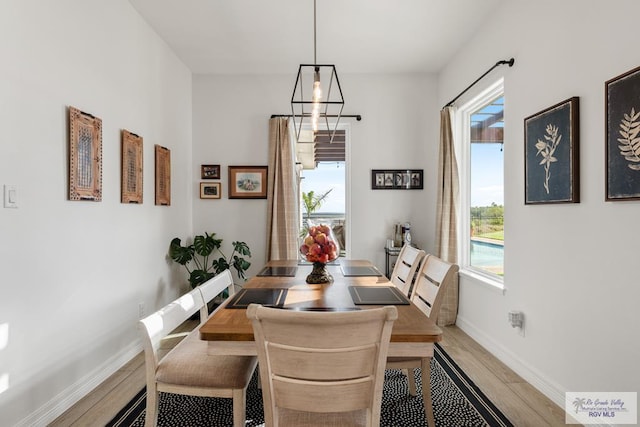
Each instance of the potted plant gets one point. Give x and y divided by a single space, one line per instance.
204 259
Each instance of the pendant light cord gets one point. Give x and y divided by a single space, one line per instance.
315 59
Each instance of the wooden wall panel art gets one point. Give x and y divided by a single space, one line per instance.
163 176
85 156
131 168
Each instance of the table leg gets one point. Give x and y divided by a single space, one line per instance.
426 390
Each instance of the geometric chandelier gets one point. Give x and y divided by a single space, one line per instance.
317 95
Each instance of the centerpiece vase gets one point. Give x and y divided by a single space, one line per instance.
319 247
319 274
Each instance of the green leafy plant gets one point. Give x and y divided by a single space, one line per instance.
204 259
312 202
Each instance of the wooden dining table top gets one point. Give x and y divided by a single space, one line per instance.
232 324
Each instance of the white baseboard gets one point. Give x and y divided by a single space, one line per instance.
547 387
534 377
48 412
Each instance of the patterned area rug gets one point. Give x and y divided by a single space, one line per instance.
457 401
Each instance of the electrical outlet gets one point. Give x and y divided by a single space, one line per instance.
141 310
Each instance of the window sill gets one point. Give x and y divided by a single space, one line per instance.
484 280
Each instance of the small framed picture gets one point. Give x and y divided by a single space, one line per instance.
210 172
247 182
397 179
210 190
622 151
551 154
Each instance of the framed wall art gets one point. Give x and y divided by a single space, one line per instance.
85 156
210 172
551 164
210 190
247 182
163 176
131 168
622 150
397 179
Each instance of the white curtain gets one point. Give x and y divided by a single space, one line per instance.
446 213
282 196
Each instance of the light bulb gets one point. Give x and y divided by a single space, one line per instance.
317 91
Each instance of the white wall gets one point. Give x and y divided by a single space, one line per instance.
399 129
73 273
571 268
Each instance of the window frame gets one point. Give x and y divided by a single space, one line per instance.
463 120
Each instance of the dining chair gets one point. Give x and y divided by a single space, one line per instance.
404 271
188 368
432 279
322 368
402 277
214 287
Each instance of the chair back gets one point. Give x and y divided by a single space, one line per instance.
434 276
212 288
322 362
155 327
405 269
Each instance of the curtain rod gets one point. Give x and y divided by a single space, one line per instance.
358 117
503 62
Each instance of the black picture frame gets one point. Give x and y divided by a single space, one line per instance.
397 179
622 126
209 171
210 190
552 142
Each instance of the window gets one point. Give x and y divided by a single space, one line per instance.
481 123
323 182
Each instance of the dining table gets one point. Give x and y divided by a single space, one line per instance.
283 282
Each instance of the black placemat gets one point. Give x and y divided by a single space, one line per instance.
358 270
269 297
377 295
278 271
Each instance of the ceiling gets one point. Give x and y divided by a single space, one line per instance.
276 36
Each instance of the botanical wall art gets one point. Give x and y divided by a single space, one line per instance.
247 182
131 168
551 139
163 175
210 171
622 140
210 190
85 156
397 179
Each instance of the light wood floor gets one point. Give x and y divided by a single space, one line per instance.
518 400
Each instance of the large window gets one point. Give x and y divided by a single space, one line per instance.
482 184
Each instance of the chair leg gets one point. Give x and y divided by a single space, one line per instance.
411 377
151 415
426 391
239 407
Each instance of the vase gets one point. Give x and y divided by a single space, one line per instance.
319 247
319 274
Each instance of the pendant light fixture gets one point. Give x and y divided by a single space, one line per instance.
317 95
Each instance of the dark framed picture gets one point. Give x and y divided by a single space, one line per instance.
210 172
622 151
247 182
163 175
551 163
210 190
85 156
131 168
397 179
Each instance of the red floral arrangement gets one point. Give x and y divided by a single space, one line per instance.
319 245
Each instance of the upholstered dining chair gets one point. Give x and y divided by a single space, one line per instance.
404 271
188 368
322 368
432 279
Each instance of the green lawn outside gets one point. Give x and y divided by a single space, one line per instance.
496 235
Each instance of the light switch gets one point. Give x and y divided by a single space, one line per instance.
10 196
